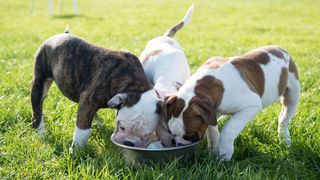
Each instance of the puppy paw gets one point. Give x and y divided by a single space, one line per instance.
72 151
225 157
40 132
284 136
286 141
40 128
225 153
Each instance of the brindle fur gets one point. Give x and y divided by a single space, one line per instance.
86 74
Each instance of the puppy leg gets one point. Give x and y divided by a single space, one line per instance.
232 129
36 103
289 101
39 88
213 136
86 111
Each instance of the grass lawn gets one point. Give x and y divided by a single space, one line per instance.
217 28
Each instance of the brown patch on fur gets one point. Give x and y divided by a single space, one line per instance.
201 111
147 56
193 123
174 106
275 50
293 68
258 56
251 72
214 63
210 87
286 99
283 81
172 31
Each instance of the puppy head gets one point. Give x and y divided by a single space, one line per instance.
188 119
187 123
135 124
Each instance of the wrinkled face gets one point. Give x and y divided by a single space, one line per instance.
188 123
135 125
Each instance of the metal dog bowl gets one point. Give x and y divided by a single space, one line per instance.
135 155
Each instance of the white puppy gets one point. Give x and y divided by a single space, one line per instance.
166 67
164 62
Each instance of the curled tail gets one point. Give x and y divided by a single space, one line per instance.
172 31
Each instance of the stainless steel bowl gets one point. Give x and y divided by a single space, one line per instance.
135 155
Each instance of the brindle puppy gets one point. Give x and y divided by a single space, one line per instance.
92 76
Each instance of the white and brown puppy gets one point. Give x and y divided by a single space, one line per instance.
166 66
240 86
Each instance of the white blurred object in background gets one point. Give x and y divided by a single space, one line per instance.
50 4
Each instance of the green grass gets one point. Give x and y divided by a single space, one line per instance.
217 28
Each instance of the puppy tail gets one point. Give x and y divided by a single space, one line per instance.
172 31
67 29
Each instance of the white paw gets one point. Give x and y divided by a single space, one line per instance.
285 141
225 157
213 148
225 152
212 144
75 146
40 129
80 137
284 137
214 151
71 150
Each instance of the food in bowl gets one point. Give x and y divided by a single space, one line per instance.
136 155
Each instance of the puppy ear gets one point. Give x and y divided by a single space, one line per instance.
160 108
117 100
206 110
174 106
161 93
177 85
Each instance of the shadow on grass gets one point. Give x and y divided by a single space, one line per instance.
262 151
103 131
60 145
68 16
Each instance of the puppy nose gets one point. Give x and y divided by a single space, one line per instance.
128 143
173 142
180 144
192 138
